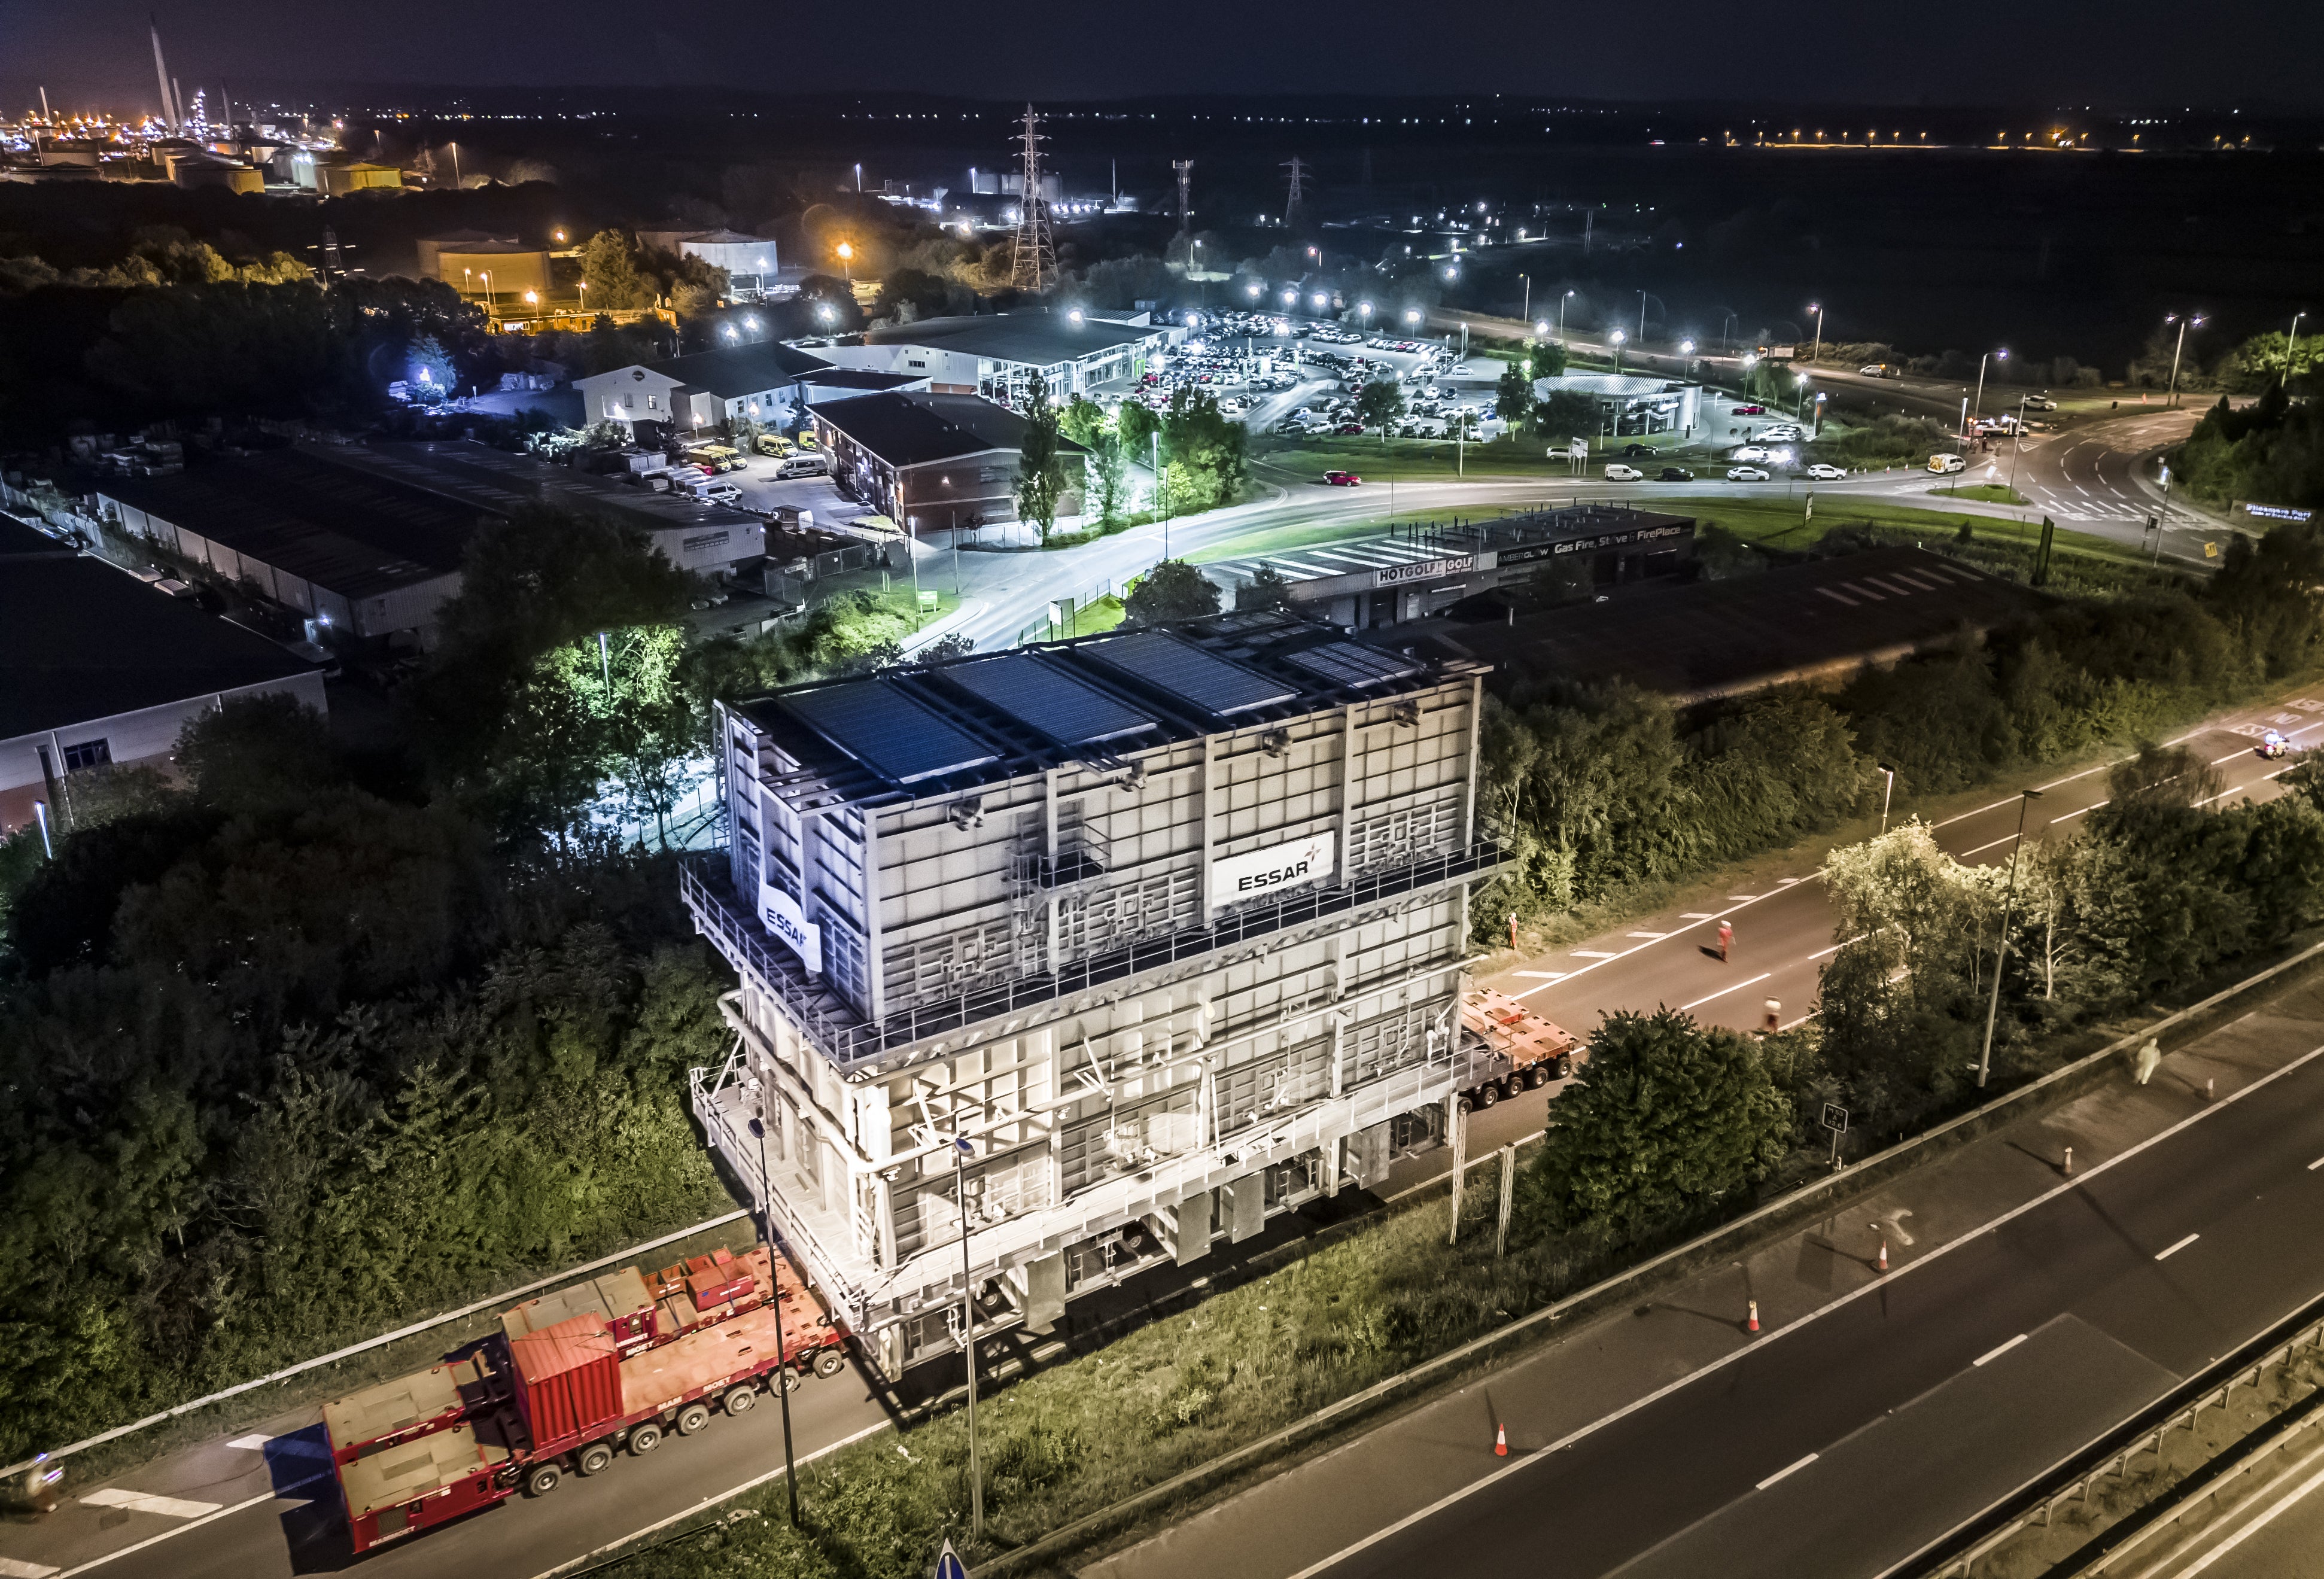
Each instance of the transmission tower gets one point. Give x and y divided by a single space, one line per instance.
1298 190
1186 169
1033 259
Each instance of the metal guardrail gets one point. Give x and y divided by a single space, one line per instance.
849 1042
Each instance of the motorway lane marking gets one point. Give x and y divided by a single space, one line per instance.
1653 935
1789 1469
1981 849
2064 817
710 1501
1836 947
1722 991
1545 975
1595 953
2165 1255
1744 899
1760 1344
10 1568
144 1502
1997 1351
226 1512
1695 915
2262 1521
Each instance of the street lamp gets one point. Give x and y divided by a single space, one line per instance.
1411 315
2001 949
847 260
1886 794
2291 342
766 1231
1254 291
1815 352
1365 307
1527 311
959 1150
1800 400
532 300
1977 409
2184 322
1616 339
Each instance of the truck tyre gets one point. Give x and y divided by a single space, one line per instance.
692 1418
1564 1065
645 1438
1488 1094
541 1479
1515 1085
830 1362
1462 1103
1537 1077
739 1400
594 1457
790 1379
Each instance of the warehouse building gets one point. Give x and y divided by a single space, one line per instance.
770 383
941 460
998 354
1167 929
1630 406
752 266
100 670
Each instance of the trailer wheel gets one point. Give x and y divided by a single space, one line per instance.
1515 1085
542 1479
739 1400
1565 1065
790 1379
594 1457
830 1362
1537 1077
645 1438
1488 1094
692 1418
1462 1103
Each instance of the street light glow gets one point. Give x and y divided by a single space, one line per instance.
1617 337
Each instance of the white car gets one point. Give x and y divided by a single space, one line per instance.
1746 474
1823 472
1776 435
1616 472
1751 452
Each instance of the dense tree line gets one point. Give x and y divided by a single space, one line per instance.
2270 452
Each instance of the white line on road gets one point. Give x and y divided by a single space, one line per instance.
1651 935
1545 976
1981 849
2070 816
1789 1469
1722 991
1836 947
1696 915
1996 1352
1738 1353
2256 1526
10 1568
144 1502
1594 954
252 1444
2165 1255
1742 898
2315 1165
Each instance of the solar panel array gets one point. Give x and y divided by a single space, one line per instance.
887 731
1052 703
1345 663
1157 658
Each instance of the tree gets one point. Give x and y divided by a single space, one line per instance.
1666 1120
425 361
1268 588
1040 466
1172 590
1109 464
1197 437
611 266
1380 402
1513 396
1567 414
1547 359
1138 423
258 750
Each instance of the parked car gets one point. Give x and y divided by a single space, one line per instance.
2039 403
1880 370
1616 472
1746 474
1638 449
1349 429
1751 452
1676 473
1825 472
1945 464
802 466
1748 411
1342 479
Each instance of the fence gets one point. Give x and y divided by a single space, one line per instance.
1070 606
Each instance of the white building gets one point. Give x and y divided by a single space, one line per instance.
1168 927
1631 405
767 383
750 261
998 354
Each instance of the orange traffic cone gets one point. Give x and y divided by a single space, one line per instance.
1884 1255
1755 1315
1500 1441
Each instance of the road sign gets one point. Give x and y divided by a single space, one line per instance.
927 603
1835 1118
949 1566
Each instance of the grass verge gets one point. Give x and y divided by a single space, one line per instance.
1983 493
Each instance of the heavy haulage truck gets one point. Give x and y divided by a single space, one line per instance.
609 1365
1528 1051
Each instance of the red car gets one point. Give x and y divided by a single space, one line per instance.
1748 411
1342 479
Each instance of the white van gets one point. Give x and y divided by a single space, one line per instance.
802 466
1616 472
1943 464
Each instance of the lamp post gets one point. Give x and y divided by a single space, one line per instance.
1887 793
2291 342
1799 400
2017 443
960 1149
1976 408
1561 320
2184 322
1616 339
1815 352
531 301
1526 311
766 1231
847 257
2001 949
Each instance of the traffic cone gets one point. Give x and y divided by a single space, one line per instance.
1884 1255
1500 1441
1754 1317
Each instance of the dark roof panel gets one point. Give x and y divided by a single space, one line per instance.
1179 669
741 370
1349 664
887 731
911 427
1053 703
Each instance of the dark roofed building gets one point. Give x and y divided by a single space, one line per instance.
945 459
998 354
364 554
98 669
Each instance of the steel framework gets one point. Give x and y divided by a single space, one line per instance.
1033 256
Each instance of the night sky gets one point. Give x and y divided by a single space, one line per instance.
2258 53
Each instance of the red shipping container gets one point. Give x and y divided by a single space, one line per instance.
569 1379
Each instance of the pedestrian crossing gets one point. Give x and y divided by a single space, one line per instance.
1333 560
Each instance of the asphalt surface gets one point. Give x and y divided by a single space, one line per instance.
2277 1533
1869 1427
